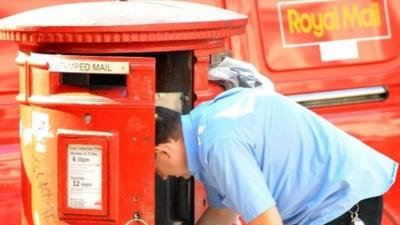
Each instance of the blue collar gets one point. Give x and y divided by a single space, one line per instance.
191 145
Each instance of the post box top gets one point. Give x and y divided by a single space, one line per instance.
122 21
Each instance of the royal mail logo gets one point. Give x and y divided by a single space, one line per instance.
306 23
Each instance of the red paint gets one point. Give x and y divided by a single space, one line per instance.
45 170
122 116
10 184
293 70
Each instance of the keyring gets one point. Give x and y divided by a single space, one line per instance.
355 212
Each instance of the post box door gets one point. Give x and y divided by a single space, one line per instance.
101 111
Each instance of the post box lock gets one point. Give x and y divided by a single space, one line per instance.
136 219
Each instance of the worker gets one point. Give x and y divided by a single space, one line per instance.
272 161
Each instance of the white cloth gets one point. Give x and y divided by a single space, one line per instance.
236 73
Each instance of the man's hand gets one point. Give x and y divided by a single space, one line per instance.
213 216
269 217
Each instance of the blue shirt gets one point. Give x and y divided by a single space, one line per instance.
253 150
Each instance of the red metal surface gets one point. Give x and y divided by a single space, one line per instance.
10 164
10 184
123 21
125 183
116 28
293 70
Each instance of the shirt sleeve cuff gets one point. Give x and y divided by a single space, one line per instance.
260 206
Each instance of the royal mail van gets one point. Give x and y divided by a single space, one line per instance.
340 58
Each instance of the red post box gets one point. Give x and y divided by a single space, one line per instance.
90 77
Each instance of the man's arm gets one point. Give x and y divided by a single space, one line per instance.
269 217
238 179
214 216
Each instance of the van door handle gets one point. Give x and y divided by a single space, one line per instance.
341 97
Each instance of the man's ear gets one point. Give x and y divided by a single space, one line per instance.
164 148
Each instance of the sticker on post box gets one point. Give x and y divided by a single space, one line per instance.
85 176
87 66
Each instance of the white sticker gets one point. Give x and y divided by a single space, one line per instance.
84 176
40 125
36 218
339 50
40 147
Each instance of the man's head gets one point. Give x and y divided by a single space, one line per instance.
170 153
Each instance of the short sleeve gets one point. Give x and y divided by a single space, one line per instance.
238 179
213 198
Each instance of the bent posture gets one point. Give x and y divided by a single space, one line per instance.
272 161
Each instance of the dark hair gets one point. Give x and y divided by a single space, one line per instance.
168 124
